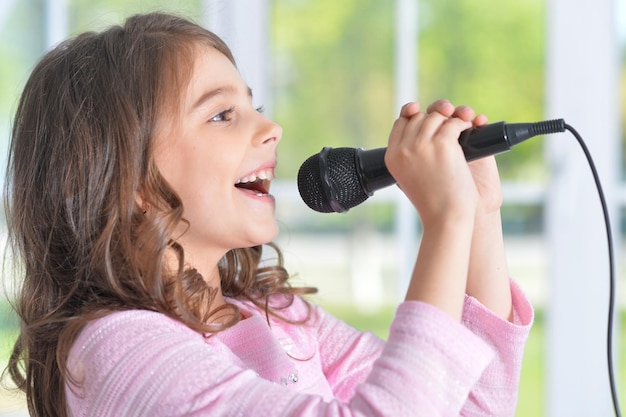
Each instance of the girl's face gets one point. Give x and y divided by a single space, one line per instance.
219 157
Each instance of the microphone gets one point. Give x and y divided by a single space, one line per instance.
335 180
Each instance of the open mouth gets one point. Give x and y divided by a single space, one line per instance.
257 182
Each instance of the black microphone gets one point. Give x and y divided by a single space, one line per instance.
335 180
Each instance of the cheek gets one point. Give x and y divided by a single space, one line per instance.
203 186
179 165
202 172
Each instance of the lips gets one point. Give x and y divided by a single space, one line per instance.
257 182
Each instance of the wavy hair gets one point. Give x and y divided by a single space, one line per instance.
81 153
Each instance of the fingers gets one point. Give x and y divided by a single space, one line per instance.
445 108
480 120
412 121
464 112
409 110
425 126
407 114
434 126
468 114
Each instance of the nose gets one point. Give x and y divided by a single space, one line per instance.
268 131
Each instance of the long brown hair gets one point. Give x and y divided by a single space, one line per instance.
80 156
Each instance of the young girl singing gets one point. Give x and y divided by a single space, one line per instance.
139 207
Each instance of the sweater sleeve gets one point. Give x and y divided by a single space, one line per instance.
495 394
348 355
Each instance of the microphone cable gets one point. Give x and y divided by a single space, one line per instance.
609 236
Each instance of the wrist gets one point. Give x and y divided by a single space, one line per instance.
449 222
486 217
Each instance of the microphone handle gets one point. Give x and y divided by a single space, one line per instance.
373 173
478 142
495 138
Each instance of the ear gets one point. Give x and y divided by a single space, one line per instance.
142 203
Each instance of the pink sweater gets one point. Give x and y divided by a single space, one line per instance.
141 363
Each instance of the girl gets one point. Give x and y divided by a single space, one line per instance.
139 206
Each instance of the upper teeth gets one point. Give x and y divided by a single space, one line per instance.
264 174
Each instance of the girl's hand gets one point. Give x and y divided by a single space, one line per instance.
484 170
425 159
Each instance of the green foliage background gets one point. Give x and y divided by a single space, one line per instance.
333 70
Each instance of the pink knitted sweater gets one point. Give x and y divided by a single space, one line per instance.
141 363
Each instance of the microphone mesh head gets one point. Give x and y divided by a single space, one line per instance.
342 182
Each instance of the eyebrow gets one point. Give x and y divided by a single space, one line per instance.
217 92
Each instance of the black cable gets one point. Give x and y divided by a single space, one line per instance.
609 235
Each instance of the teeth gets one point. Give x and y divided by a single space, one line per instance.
265 174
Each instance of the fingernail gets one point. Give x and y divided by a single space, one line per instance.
405 107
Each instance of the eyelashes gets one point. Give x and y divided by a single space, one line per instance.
223 116
226 115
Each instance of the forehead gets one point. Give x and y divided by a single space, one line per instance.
212 74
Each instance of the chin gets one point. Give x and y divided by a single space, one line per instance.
265 238
272 237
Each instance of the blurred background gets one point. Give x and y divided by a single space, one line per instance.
335 73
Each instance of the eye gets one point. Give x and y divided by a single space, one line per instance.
224 116
260 109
